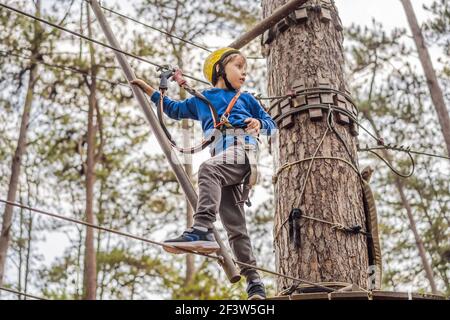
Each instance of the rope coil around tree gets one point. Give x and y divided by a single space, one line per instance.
356 229
299 98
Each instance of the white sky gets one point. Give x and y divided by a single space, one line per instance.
389 12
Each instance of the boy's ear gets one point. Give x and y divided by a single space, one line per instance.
217 69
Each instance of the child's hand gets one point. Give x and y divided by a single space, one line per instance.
144 86
253 126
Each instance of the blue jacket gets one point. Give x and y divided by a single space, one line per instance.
193 108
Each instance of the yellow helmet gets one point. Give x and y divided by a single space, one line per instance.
215 57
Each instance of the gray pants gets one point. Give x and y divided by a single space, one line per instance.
219 182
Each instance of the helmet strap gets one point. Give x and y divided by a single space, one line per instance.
224 76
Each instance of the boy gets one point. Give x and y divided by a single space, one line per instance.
219 178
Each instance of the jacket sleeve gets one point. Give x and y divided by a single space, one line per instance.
268 126
186 109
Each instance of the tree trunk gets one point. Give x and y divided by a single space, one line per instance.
20 149
412 223
311 51
433 85
90 268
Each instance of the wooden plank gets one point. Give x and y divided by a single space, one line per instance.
325 15
315 114
359 295
287 122
351 295
299 101
313 99
324 83
279 298
387 295
300 15
285 105
268 36
275 110
427 296
310 296
354 129
299 84
327 98
282 26
342 118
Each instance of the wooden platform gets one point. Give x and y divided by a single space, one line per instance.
360 295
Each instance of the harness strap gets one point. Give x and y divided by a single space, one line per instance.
197 148
226 114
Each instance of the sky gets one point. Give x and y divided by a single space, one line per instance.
389 12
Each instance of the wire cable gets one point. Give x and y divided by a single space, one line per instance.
21 293
128 235
77 34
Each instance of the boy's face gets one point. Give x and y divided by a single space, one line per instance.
236 71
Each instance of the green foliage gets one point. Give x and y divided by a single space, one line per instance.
394 100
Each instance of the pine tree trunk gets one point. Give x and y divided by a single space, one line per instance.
90 267
312 51
20 149
412 223
433 85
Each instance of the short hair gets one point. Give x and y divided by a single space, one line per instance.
228 59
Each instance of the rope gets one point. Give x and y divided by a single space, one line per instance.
21 293
66 68
124 234
403 175
408 150
77 34
290 164
200 46
289 291
337 226
153 28
307 176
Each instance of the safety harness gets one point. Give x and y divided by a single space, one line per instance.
221 126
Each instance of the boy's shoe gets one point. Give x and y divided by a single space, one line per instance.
256 290
195 240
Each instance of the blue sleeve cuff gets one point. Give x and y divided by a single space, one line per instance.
262 123
155 97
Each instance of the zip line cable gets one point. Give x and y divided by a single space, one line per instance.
66 68
21 293
153 28
77 34
128 235
200 46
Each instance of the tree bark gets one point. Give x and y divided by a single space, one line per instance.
412 222
21 147
90 265
433 85
313 50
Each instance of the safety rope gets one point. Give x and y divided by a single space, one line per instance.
54 25
65 68
128 235
195 44
343 285
356 229
21 293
